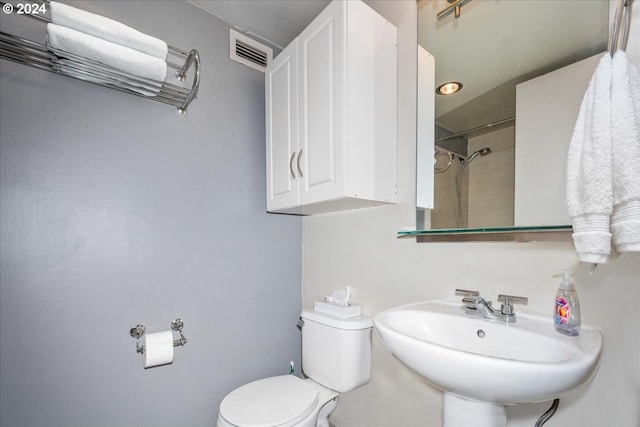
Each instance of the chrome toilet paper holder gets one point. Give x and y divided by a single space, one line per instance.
137 332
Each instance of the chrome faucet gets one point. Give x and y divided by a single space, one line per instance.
479 307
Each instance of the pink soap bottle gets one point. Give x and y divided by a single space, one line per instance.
566 317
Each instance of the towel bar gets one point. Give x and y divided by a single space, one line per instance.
43 57
621 26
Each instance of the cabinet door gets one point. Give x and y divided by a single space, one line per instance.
426 131
546 111
282 129
321 51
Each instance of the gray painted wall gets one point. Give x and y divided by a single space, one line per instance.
117 210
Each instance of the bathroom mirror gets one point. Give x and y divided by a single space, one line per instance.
491 47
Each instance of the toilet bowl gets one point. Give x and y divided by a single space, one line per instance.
336 357
283 401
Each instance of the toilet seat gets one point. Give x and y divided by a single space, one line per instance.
275 402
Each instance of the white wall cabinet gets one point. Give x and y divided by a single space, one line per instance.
331 114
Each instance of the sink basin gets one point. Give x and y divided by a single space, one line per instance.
489 361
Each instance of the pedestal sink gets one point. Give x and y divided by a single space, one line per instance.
482 365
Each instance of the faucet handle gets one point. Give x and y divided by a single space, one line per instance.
512 299
469 297
509 300
467 293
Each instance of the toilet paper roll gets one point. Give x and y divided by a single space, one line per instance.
158 349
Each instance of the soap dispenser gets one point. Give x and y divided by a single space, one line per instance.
566 317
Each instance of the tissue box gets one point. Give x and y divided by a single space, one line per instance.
351 310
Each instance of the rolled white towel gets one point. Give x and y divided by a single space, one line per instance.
625 147
119 57
107 29
589 187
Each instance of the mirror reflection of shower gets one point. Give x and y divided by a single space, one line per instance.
478 195
461 221
443 160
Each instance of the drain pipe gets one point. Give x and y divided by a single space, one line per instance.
545 417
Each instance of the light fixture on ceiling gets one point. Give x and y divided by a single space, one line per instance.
449 88
455 6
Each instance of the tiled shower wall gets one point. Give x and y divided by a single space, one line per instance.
487 185
491 180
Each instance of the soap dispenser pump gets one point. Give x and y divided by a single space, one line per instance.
566 317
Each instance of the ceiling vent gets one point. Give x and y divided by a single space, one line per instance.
248 51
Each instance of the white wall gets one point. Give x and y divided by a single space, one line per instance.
360 249
117 210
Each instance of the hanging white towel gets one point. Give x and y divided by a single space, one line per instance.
589 185
122 58
107 29
625 148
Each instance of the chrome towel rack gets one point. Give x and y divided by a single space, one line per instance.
621 27
40 56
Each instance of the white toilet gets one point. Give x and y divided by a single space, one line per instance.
336 357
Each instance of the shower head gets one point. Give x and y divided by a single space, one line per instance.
483 152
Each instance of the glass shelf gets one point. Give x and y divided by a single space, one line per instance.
497 234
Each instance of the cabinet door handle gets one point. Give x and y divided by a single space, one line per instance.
293 175
298 163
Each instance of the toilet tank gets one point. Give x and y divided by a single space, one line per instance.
336 352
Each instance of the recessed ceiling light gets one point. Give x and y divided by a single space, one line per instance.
449 88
